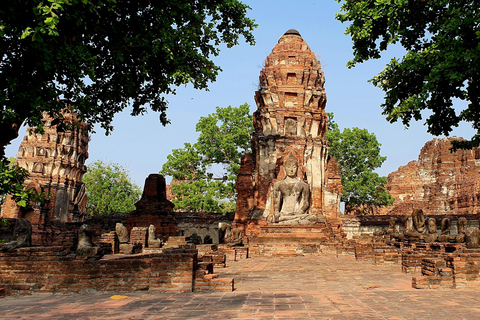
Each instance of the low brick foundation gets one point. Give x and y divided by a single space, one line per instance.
56 270
292 240
457 270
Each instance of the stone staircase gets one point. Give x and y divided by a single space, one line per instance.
209 256
207 281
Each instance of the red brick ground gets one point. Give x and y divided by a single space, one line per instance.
311 287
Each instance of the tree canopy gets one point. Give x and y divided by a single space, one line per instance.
108 54
11 183
109 189
357 152
204 173
442 63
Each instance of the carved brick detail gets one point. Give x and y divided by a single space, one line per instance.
439 182
56 163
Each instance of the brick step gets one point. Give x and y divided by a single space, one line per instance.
217 259
433 282
152 250
205 265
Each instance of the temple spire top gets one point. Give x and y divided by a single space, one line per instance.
292 32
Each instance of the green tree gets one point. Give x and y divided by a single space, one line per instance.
107 54
358 153
442 39
104 55
204 173
109 189
11 183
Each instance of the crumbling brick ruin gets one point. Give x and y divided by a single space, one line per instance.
439 182
68 257
56 163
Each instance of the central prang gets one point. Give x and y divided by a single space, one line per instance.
289 179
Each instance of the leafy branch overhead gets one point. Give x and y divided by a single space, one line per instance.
204 173
109 54
11 183
442 40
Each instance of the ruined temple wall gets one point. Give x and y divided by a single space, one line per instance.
439 182
55 270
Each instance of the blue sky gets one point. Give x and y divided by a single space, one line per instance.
141 144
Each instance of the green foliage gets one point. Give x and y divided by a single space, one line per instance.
442 39
3 223
358 153
11 183
224 137
109 189
104 55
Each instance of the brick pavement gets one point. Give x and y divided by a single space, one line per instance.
310 287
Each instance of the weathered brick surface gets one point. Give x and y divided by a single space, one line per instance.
439 182
139 235
451 270
111 239
465 268
291 240
55 270
442 265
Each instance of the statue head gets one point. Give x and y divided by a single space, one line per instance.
291 166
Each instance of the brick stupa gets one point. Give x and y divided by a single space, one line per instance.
290 122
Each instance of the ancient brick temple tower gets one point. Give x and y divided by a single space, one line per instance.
56 163
290 122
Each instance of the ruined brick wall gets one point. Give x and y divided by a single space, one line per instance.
439 182
55 270
356 226
57 233
165 225
290 119
333 190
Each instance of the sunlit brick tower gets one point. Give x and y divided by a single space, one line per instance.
290 120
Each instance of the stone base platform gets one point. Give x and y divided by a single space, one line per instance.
292 240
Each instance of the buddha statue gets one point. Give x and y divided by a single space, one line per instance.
291 198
